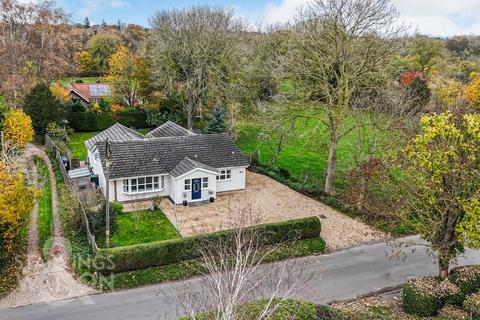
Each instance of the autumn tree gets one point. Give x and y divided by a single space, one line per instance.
17 128
194 55
123 67
84 62
338 45
472 91
42 106
35 44
441 184
59 92
101 47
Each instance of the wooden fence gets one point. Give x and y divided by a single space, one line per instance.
52 147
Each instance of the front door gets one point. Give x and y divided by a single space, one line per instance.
196 189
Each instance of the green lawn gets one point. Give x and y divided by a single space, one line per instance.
84 79
45 216
143 226
76 144
305 151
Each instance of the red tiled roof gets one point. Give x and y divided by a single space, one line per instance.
91 90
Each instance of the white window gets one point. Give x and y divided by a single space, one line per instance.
188 185
225 175
205 183
144 184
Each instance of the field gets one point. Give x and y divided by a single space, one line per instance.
143 226
84 79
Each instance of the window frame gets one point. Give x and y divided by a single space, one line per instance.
143 184
189 184
226 174
205 182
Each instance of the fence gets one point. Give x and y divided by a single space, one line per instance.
59 146
52 147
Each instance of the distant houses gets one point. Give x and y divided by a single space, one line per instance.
89 93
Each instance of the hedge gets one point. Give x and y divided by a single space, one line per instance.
426 296
467 278
153 254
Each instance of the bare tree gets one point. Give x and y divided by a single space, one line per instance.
337 47
194 55
235 274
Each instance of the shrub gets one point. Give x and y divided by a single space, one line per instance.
329 313
56 132
97 218
426 296
467 278
160 253
472 305
17 128
453 313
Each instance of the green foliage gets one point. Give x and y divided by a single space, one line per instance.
157 118
426 296
101 47
330 313
472 305
3 110
453 313
56 132
170 251
97 218
467 278
43 108
45 214
217 121
141 227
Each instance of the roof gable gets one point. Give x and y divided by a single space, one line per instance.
169 129
89 91
187 165
116 132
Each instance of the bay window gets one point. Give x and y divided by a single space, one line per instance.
144 184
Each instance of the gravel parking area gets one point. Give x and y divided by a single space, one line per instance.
266 200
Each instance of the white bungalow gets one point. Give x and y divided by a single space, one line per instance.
170 161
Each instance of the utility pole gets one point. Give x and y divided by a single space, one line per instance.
107 194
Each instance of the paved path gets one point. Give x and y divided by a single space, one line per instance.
50 280
326 278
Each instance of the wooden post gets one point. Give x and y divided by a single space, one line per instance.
107 195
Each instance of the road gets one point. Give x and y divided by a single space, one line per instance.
321 279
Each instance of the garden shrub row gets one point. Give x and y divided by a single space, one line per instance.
145 255
426 296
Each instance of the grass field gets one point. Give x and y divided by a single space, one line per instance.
77 142
143 226
45 215
305 151
84 79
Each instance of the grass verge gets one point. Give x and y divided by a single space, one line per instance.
45 215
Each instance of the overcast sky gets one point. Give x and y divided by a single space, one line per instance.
432 17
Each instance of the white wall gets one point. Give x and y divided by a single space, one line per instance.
180 187
96 168
237 182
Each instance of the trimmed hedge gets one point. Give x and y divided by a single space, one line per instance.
160 253
426 296
467 278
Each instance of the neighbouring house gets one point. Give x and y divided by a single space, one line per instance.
170 161
88 93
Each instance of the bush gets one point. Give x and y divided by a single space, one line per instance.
329 313
467 278
453 313
56 132
426 296
97 218
160 253
472 305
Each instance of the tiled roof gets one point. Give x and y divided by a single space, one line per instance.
187 165
162 155
114 133
169 129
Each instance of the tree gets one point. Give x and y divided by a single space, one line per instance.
17 128
217 122
424 53
337 47
472 90
43 108
59 92
101 46
84 62
123 75
3 110
194 55
35 43
441 184
16 201
86 23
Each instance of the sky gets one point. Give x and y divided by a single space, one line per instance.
431 17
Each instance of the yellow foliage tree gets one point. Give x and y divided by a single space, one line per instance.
122 73
84 62
472 90
17 128
448 91
16 201
60 92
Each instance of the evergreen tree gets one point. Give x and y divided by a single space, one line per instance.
86 23
217 121
42 106
104 24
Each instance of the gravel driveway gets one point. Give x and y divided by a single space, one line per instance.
269 201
